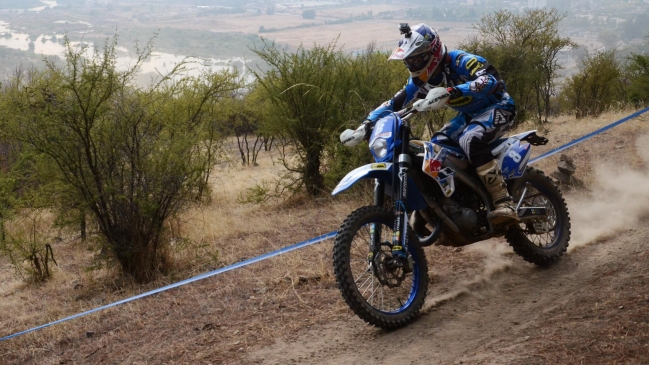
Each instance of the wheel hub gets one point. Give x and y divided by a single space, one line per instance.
390 270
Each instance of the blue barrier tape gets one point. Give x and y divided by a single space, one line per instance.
187 281
589 135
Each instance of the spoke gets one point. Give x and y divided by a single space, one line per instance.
366 280
534 198
373 292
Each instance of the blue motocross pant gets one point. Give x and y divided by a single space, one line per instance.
475 134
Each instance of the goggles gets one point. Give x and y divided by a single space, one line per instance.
416 62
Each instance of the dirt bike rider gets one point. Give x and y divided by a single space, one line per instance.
477 92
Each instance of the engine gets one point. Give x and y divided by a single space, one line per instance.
465 218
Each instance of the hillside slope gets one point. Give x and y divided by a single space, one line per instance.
485 305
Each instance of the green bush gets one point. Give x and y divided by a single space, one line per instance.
596 86
132 157
315 94
637 73
524 49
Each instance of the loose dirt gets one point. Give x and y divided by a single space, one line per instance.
592 307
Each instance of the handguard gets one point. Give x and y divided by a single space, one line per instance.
436 99
350 138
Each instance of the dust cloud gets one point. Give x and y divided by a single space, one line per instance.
618 200
495 261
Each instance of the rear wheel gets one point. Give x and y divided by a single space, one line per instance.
544 239
383 290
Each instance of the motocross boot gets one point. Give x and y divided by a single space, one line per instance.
492 179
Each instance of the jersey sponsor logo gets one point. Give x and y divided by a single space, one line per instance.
500 118
459 59
473 65
461 101
479 84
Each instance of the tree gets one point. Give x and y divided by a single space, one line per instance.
374 80
596 87
133 157
244 114
308 96
524 48
637 73
313 94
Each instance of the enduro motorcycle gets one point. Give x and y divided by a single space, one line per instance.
379 261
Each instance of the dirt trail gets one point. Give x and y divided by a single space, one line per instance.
494 321
591 307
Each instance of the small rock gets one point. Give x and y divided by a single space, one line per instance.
566 158
208 327
566 167
526 338
621 307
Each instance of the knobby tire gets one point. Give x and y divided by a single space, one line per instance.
345 279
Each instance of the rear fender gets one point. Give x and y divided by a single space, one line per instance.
514 159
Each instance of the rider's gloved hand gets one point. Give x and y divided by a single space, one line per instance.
368 129
455 93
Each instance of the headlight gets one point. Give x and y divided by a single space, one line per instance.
379 148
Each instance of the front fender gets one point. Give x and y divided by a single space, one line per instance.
381 171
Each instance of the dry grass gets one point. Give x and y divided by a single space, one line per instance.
219 319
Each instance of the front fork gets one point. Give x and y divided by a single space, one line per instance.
392 269
400 195
400 237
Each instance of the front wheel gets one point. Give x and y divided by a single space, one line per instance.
544 239
383 290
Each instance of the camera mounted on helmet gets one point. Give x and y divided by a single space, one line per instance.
404 28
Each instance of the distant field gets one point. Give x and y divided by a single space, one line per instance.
183 30
351 35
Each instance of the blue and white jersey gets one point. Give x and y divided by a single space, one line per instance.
478 81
